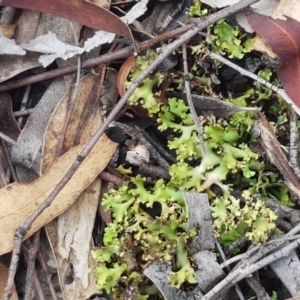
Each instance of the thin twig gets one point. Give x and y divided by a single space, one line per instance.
24 103
190 101
7 139
282 211
244 72
25 112
3 179
9 162
70 109
33 249
237 288
294 139
23 229
260 292
36 281
90 63
264 250
47 273
236 244
71 104
92 101
247 268
111 178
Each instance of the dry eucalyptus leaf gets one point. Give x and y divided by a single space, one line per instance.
27 151
290 8
53 47
283 37
81 11
263 7
71 240
70 235
19 201
85 98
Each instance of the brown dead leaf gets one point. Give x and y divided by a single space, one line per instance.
70 235
8 125
85 97
18 201
290 8
83 12
283 36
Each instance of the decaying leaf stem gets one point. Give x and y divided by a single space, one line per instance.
193 30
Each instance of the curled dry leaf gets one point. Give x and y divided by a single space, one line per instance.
83 12
15 209
283 36
123 74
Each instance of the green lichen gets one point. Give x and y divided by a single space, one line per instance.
149 221
224 37
250 218
147 94
196 10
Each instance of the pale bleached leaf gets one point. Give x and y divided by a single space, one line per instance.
52 47
136 11
8 46
100 37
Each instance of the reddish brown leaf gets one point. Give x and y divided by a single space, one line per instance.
284 38
83 12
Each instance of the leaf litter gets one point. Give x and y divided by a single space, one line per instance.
69 221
